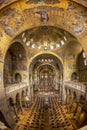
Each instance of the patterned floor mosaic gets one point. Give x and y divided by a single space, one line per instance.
46 114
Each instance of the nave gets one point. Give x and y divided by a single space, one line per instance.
46 113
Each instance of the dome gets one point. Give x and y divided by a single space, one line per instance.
44 37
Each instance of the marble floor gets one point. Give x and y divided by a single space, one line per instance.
46 113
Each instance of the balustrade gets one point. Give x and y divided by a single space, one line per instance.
13 87
76 85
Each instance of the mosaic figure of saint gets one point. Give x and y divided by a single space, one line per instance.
44 16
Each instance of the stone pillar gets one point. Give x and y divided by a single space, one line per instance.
60 91
63 94
78 98
15 110
32 94
31 89
19 105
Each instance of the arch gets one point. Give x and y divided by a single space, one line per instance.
11 101
53 25
13 63
82 99
3 4
49 53
52 66
14 42
74 76
18 78
53 21
41 67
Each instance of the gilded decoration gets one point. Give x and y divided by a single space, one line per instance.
31 54
5 2
44 38
11 21
43 1
83 2
2 2
76 18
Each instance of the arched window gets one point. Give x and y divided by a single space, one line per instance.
18 78
74 76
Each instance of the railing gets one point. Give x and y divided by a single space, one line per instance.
76 85
83 2
13 87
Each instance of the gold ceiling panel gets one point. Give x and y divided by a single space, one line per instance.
34 3
4 3
44 38
23 15
53 3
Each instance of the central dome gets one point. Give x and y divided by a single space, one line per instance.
44 37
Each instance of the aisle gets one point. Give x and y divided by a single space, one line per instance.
46 114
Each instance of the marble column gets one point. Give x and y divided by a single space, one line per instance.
63 94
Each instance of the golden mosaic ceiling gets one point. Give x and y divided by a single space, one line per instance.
4 3
44 37
26 14
74 16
